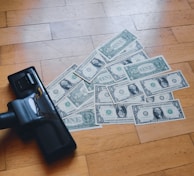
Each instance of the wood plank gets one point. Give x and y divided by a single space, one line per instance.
173 53
181 171
142 159
24 34
47 15
119 8
163 19
148 38
7 95
70 166
2 150
78 28
184 33
7 5
2 159
37 51
10 69
191 63
106 138
2 19
156 37
21 154
191 2
192 137
73 2
160 173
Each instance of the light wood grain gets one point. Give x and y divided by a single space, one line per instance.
3 137
117 8
163 19
24 34
47 15
47 50
87 27
154 174
191 2
181 171
71 167
173 53
192 137
2 19
7 5
145 158
52 35
186 36
103 139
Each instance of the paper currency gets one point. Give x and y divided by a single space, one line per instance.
116 69
125 91
90 67
65 107
130 49
168 82
161 97
101 95
146 68
103 78
79 95
116 45
63 84
157 112
109 87
114 113
82 120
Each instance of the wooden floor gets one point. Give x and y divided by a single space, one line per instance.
54 34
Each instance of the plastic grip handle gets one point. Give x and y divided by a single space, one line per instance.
54 139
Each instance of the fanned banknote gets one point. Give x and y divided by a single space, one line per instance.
116 69
65 107
101 95
103 78
125 91
90 68
117 45
63 84
157 112
114 113
166 96
130 49
168 82
117 84
80 95
145 68
82 120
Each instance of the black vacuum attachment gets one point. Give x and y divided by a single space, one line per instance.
33 114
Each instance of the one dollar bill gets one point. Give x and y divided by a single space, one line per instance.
125 91
147 68
164 83
116 69
160 97
82 120
90 68
116 45
157 112
63 84
114 113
